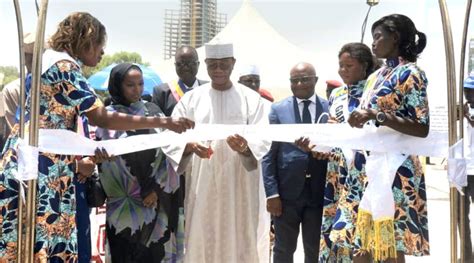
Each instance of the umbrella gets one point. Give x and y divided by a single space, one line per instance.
100 80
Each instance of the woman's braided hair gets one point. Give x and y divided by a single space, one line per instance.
77 33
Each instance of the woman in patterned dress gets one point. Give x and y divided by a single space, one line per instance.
65 96
395 96
343 186
137 224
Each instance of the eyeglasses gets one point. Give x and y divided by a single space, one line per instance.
223 65
186 64
303 79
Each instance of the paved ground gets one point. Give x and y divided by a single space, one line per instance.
438 216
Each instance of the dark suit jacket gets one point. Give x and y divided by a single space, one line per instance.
163 97
285 166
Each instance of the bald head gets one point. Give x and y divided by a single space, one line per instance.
185 50
303 80
186 63
304 67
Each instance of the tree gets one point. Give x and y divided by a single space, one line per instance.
10 73
118 57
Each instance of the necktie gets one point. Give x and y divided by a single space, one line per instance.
306 114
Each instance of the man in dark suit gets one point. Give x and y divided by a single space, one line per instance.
166 96
186 64
294 180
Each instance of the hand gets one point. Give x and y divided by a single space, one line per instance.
199 149
85 168
101 156
322 156
333 120
151 200
238 144
274 206
177 125
358 118
304 144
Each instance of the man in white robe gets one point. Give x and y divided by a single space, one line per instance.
222 191
249 76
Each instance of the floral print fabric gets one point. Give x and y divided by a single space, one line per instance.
401 90
64 96
344 185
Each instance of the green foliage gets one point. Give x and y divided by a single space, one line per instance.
10 73
118 57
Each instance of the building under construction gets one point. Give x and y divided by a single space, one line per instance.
195 24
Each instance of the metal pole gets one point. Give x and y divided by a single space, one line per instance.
33 129
451 84
19 22
462 212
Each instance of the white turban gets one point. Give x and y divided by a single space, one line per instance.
218 50
249 70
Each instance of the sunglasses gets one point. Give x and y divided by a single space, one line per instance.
223 65
186 64
303 79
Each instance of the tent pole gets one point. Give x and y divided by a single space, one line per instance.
452 110
33 129
21 49
462 212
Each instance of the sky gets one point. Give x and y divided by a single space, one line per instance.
317 26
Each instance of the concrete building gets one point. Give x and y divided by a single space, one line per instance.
195 24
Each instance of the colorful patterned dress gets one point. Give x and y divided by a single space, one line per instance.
137 233
400 89
344 186
64 96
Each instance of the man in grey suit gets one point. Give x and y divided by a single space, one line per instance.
186 64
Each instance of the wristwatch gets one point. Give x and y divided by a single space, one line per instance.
380 117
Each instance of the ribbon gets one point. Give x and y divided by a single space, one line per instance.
27 164
382 139
457 166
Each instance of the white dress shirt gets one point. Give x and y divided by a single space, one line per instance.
312 107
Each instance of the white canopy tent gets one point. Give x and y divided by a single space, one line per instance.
255 42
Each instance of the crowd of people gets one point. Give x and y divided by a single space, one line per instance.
204 201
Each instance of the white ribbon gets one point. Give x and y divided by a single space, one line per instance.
381 169
27 161
457 166
381 139
27 164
